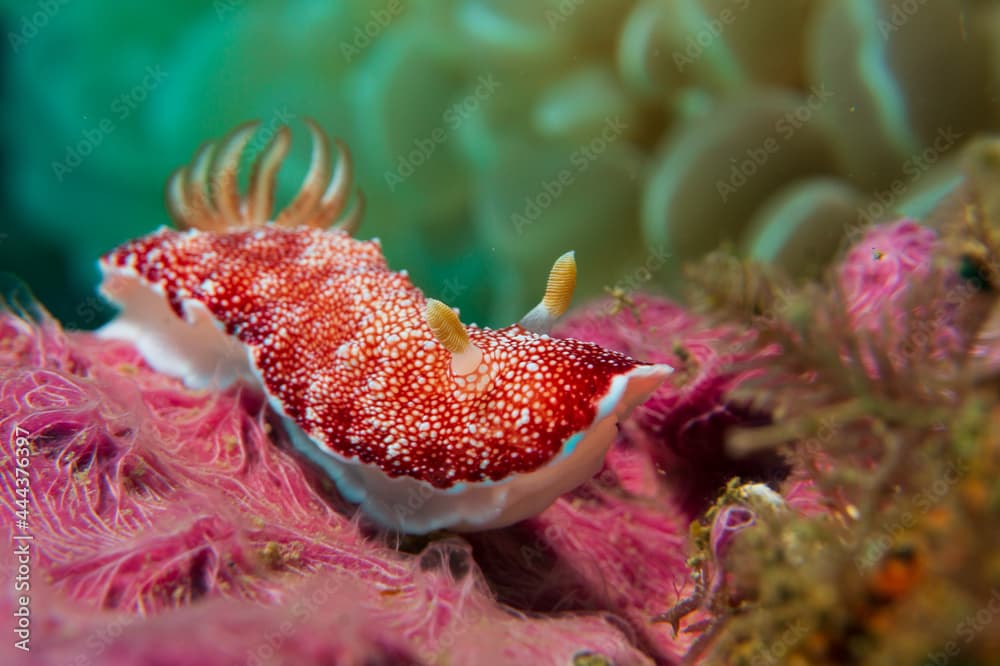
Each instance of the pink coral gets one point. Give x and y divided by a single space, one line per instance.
171 511
683 425
875 277
599 547
880 267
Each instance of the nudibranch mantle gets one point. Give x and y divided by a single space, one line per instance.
374 382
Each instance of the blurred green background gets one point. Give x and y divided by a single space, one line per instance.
491 136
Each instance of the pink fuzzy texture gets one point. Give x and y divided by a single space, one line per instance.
804 498
599 547
875 277
682 426
168 528
879 268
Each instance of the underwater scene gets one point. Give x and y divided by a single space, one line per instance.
461 332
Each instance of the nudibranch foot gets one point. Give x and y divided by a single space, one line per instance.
192 346
425 422
417 507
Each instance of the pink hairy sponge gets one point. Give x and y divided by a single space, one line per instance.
424 422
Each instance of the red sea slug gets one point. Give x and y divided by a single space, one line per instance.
422 421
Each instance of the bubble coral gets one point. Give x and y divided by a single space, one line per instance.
667 126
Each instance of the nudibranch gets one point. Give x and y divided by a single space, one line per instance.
424 422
